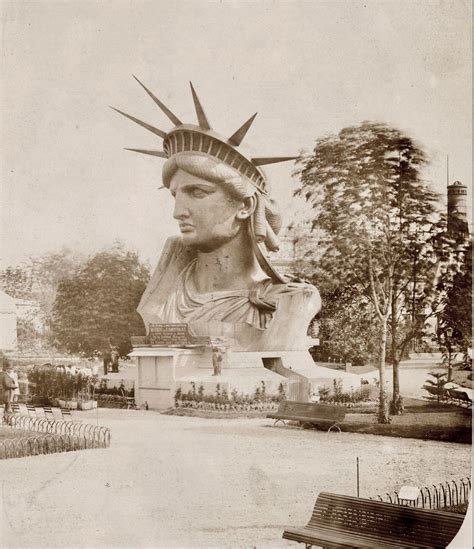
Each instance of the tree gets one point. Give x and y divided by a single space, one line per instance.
369 197
456 290
97 305
37 281
17 282
346 321
47 271
348 330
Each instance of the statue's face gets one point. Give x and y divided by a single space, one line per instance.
207 213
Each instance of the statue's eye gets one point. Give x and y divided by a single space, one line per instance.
198 193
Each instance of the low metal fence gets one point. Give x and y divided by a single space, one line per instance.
452 495
53 436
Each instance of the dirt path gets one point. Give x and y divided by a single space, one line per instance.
170 481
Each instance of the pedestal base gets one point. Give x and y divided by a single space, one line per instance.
162 370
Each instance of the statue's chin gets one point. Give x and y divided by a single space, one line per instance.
208 245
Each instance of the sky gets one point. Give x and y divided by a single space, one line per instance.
309 68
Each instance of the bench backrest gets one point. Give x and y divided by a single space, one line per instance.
66 413
311 410
458 395
390 521
31 410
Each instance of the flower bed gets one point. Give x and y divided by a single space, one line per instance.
253 406
112 401
361 397
259 401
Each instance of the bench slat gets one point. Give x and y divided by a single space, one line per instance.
337 540
338 521
331 539
308 412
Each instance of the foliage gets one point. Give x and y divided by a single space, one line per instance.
37 281
112 401
348 329
16 282
369 198
435 388
336 395
48 271
97 304
259 400
104 390
56 383
457 301
28 336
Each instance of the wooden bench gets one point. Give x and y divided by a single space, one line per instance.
31 410
345 521
309 413
460 397
131 404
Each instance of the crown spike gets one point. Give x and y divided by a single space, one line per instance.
161 154
272 160
176 121
201 115
237 137
150 128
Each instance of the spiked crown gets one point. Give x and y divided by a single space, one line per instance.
202 139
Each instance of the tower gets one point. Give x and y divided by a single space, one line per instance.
457 208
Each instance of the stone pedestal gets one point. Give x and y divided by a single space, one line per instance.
155 383
162 370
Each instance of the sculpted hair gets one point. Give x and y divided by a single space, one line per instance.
210 170
266 219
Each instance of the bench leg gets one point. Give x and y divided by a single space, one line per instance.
277 420
335 426
307 546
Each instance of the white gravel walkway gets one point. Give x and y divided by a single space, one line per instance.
170 481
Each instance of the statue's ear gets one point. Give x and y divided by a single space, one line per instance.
247 207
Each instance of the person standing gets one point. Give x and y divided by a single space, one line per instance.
106 360
114 358
216 361
16 391
7 386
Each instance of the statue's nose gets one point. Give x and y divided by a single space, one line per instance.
180 209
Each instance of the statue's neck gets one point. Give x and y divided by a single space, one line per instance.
233 266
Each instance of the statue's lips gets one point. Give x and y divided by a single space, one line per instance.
186 227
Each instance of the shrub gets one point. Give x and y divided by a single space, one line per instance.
260 400
338 396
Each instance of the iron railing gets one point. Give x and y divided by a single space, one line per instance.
452 495
53 436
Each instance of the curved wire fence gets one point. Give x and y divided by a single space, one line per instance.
452 495
53 436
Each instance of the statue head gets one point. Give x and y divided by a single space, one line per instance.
214 203
218 191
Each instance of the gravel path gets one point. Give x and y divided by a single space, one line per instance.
169 481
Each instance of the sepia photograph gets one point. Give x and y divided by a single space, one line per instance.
236 274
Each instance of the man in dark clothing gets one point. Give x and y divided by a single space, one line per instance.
114 358
216 361
106 359
7 386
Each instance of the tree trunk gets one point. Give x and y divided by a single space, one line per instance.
383 416
396 405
